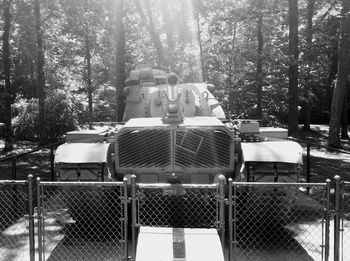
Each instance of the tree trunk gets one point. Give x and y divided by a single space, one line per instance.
333 67
120 59
184 34
341 82
7 71
331 80
87 47
293 68
344 119
309 58
40 75
154 35
200 45
169 28
88 72
259 64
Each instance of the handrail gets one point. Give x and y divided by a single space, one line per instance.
49 146
14 158
319 145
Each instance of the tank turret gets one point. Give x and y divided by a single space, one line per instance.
152 93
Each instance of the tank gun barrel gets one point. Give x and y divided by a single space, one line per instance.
173 113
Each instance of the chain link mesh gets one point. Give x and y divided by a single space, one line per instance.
278 222
345 215
14 239
83 222
185 207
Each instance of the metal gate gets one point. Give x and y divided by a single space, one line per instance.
177 205
342 220
278 221
82 221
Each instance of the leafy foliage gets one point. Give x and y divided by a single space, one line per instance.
60 117
215 41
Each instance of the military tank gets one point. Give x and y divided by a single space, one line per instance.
177 132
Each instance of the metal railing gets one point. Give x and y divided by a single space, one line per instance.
14 160
338 161
99 220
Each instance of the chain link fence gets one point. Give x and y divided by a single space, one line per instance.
257 221
82 221
14 222
177 206
278 221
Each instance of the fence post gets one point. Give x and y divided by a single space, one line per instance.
52 159
14 169
337 219
133 216
235 226
222 210
126 220
40 220
230 221
31 219
328 216
308 167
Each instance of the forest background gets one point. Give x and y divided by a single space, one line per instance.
64 62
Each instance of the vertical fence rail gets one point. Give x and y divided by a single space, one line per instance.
14 169
31 219
221 199
126 218
327 219
345 210
337 215
230 220
133 217
40 220
234 225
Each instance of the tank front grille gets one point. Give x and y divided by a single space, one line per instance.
144 148
202 148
